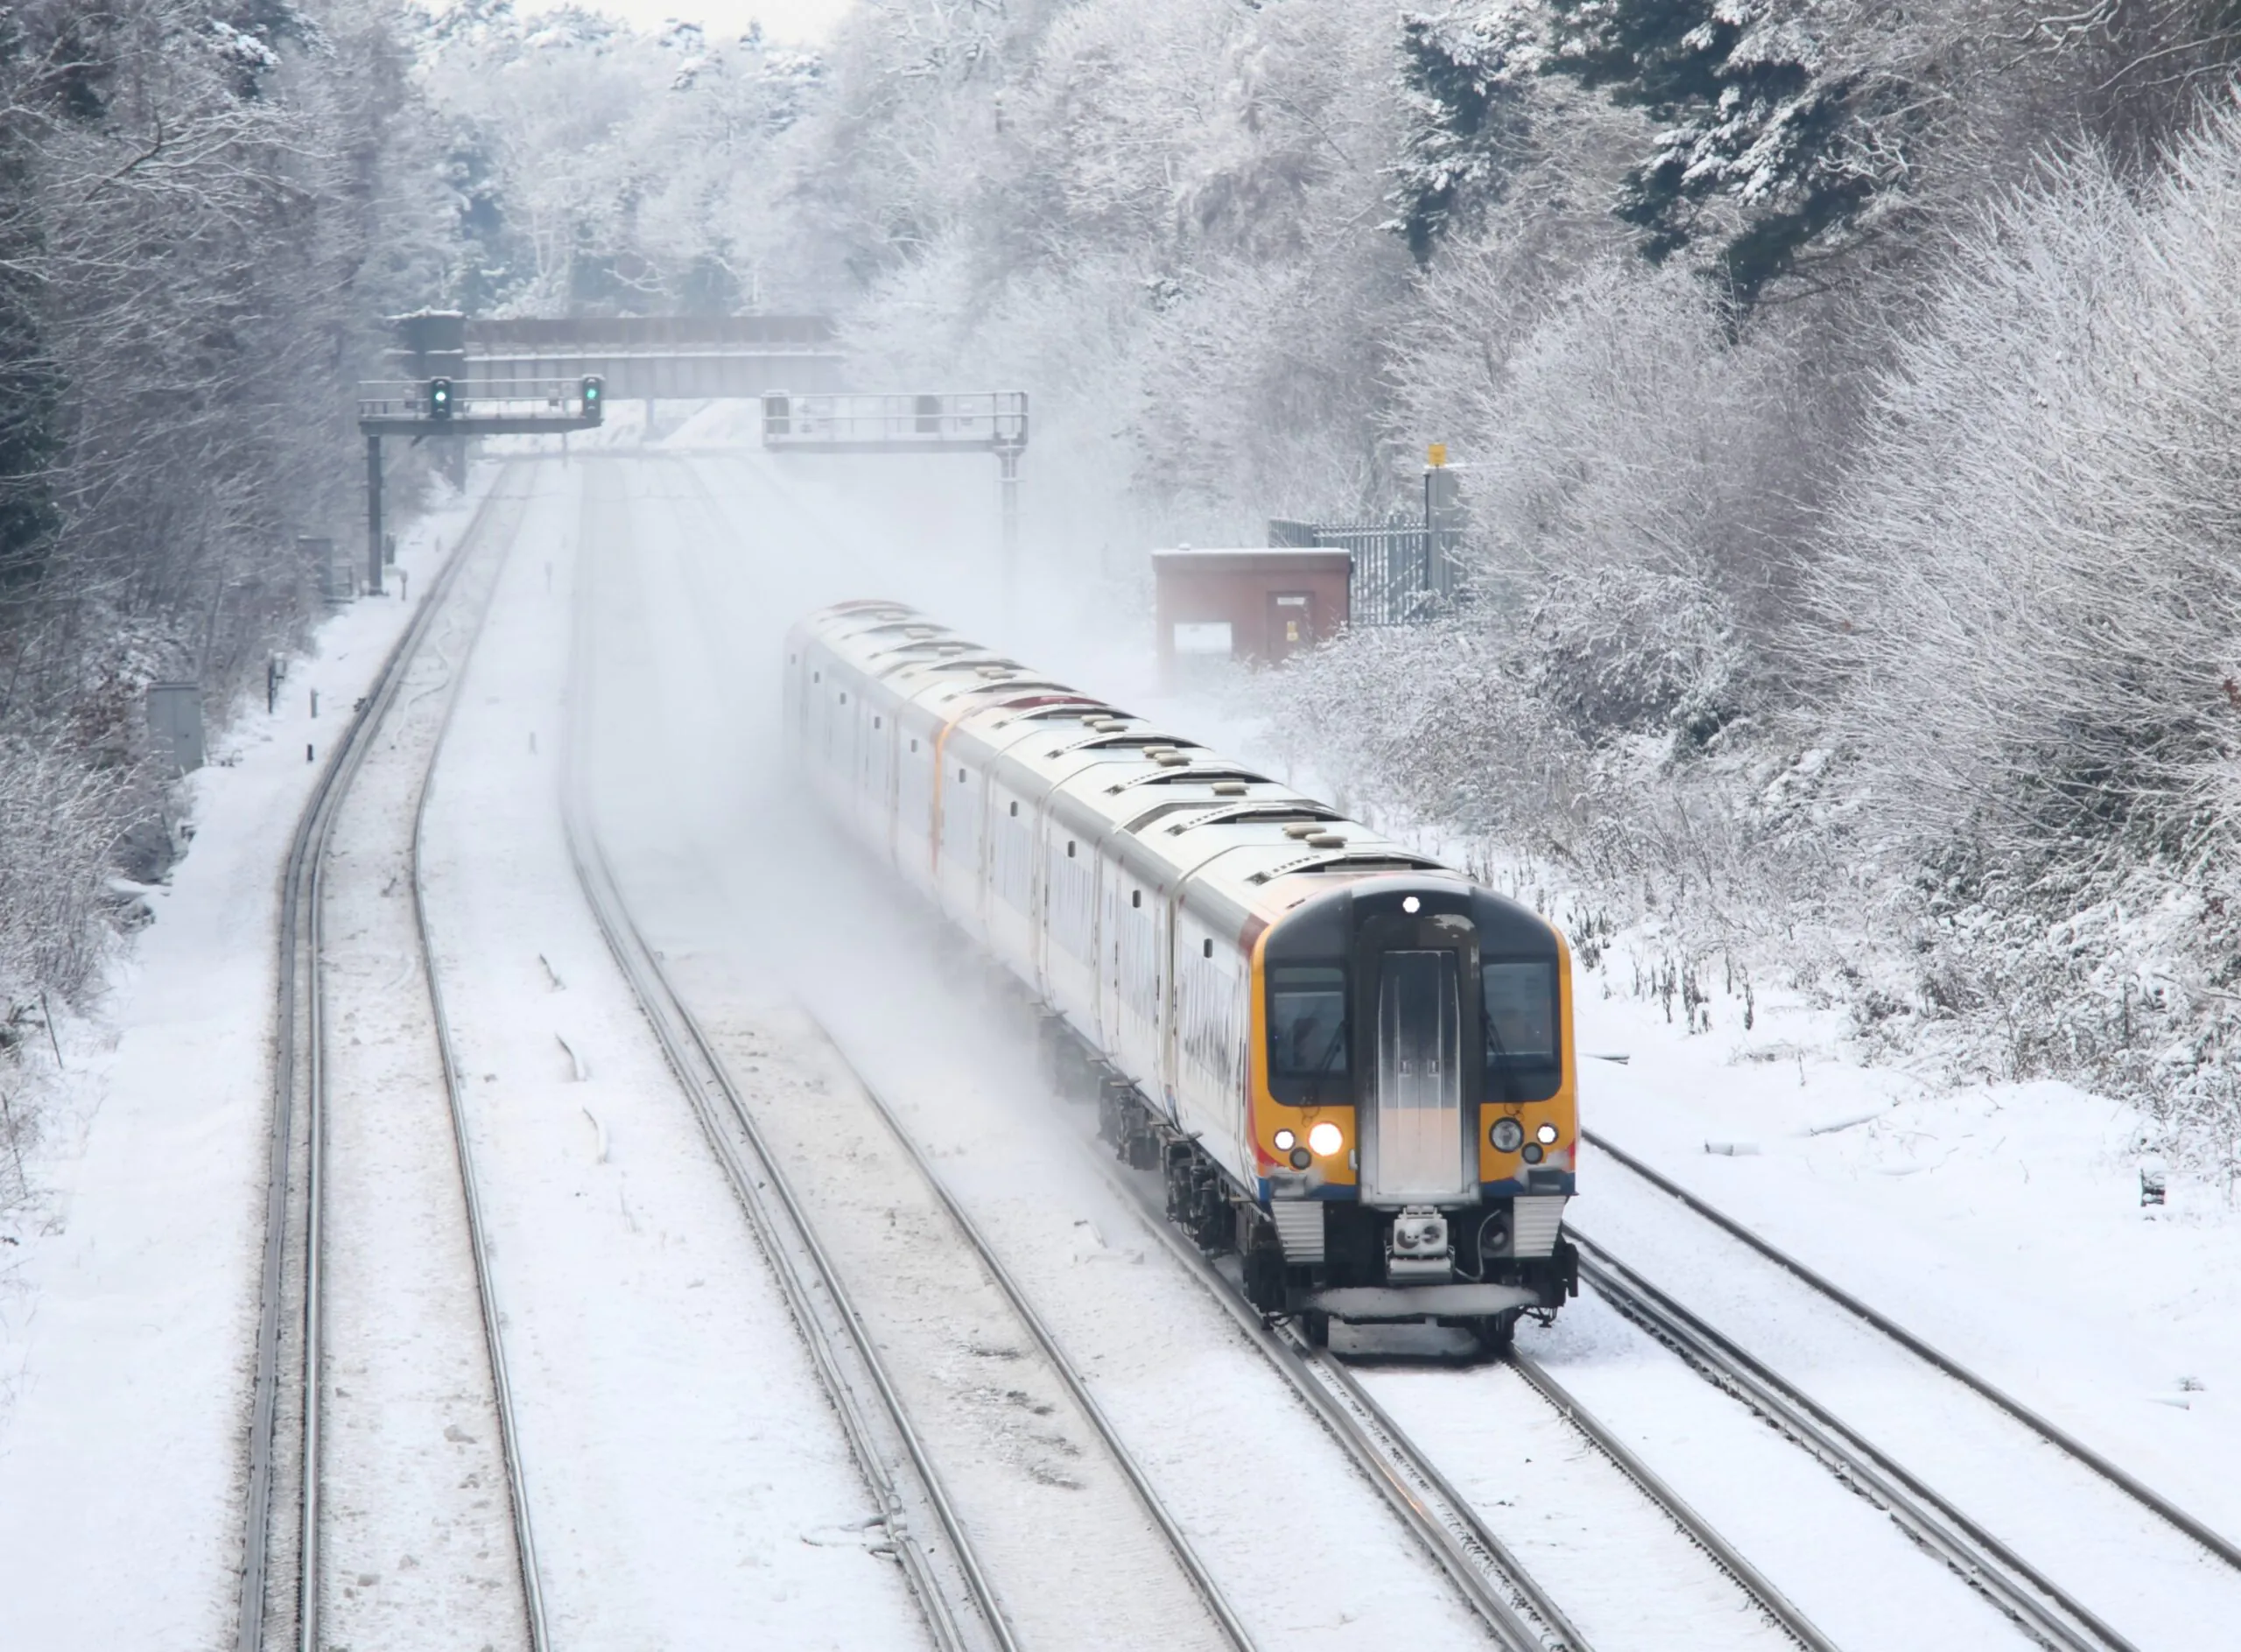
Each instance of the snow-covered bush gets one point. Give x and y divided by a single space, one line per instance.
59 823
2027 608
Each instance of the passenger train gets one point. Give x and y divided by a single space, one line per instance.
1352 1066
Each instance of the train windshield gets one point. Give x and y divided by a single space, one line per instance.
1307 1021
1520 1004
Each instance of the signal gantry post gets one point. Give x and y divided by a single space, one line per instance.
944 422
440 406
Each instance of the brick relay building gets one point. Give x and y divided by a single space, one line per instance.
1255 603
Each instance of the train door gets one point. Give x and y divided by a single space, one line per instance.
1414 1153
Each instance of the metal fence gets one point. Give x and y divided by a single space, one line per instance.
1402 570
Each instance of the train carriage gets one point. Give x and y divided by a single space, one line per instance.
1351 1065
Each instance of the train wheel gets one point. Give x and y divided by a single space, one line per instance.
1495 1331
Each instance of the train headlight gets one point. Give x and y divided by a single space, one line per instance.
1301 1158
1324 1138
1546 1136
1507 1135
1284 1140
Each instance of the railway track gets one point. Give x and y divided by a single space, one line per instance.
2044 1609
1518 1611
1518 1614
2162 1508
2039 1606
285 1503
967 1605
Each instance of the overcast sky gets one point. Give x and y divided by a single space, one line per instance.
803 20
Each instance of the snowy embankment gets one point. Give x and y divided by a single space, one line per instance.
128 1300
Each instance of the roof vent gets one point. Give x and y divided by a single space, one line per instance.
1229 788
1169 759
1304 829
1325 840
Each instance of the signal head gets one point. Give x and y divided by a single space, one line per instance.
439 398
594 392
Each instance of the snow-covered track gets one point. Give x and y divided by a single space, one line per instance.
922 1524
2044 1610
2053 1435
1692 1525
478 1233
1201 1580
285 1420
1519 1614
937 1553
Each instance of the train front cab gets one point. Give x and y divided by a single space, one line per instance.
1414 1106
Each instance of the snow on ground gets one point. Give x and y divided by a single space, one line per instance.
687 1479
127 1333
2002 1223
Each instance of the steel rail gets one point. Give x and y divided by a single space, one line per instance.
300 1034
962 1609
1700 1531
2162 1507
2039 1606
540 1639
1490 1577
1202 1581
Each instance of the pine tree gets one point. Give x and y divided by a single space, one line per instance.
1462 90
1754 116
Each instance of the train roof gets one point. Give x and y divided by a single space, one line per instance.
1173 810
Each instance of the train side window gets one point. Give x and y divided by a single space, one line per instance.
817 676
1070 848
844 696
914 745
960 774
1307 1021
875 722
1207 949
1135 897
